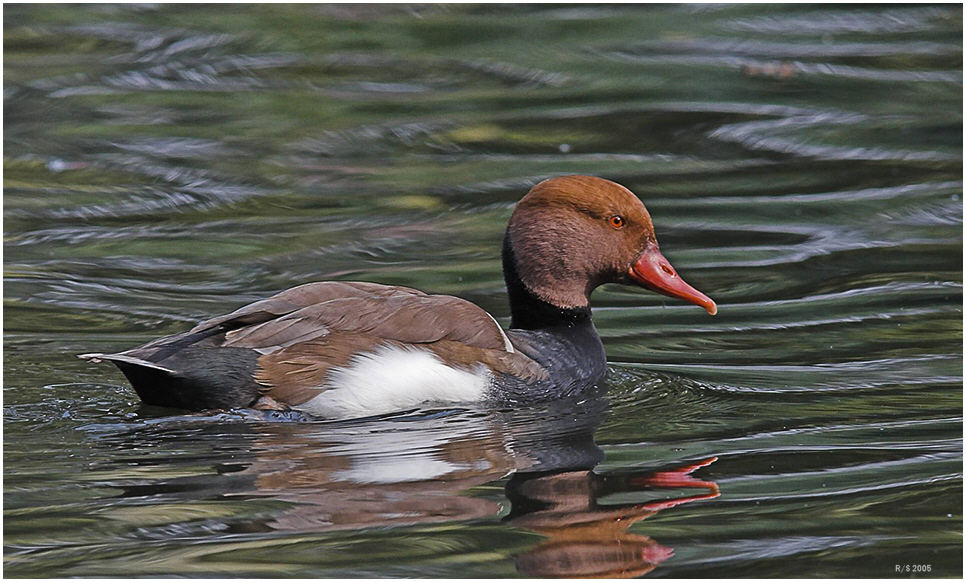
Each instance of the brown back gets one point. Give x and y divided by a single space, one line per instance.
315 310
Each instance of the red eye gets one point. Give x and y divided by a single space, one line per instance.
617 221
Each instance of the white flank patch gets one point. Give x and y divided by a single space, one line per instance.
393 378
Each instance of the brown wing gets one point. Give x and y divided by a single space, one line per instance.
298 297
316 310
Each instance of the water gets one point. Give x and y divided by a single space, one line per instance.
163 164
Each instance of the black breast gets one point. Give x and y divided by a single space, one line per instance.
573 356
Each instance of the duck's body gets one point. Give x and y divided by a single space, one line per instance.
348 349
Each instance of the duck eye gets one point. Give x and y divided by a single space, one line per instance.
617 221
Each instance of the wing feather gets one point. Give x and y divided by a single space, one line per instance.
296 298
388 313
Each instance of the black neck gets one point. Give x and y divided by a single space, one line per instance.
527 311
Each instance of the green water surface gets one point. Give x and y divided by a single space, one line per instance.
803 166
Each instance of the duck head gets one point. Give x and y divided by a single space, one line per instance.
571 234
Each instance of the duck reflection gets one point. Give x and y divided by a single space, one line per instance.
409 469
586 538
441 467
428 469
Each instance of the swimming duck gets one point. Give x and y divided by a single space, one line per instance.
348 349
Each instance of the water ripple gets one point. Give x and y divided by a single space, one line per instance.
895 20
755 135
779 50
819 377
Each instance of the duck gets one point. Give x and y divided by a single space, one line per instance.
348 349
